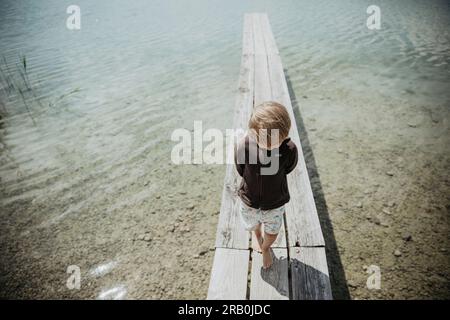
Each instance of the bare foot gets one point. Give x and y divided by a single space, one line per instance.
257 241
267 259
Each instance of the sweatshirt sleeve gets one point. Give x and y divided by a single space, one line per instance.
239 154
293 157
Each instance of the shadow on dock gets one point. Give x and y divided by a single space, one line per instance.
337 275
308 283
274 275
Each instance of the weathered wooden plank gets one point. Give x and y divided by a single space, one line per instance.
309 274
301 213
229 274
258 36
270 84
263 87
263 91
230 232
248 46
269 39
271 283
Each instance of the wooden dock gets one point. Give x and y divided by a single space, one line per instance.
300 268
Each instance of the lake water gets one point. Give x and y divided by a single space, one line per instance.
86 157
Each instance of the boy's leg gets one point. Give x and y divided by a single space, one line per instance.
257 239
272 223
250 219
269 239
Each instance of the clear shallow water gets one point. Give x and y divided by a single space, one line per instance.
140 69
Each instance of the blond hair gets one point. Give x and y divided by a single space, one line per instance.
265 118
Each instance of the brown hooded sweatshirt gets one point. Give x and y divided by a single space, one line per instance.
264 190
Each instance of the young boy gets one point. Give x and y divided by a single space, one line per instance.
263 159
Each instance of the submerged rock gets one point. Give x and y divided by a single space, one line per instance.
407 237
391 204
141 237
376 220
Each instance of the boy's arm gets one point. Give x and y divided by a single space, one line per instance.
293 157
239 157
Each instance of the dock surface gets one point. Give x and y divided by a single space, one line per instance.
299 271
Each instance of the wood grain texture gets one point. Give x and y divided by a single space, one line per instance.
230 232
269 39
258 36
270 84
229 274
309 272
271 283
301 214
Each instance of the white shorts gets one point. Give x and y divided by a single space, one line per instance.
271 219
